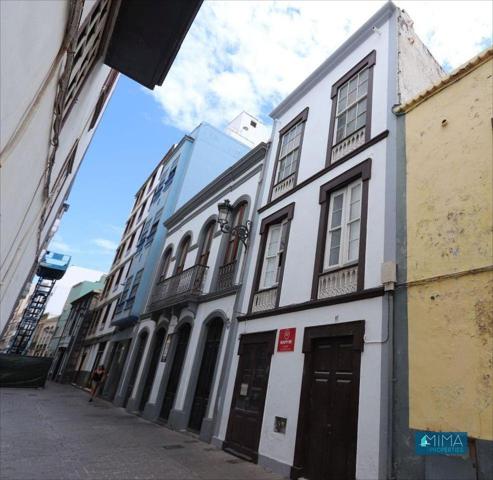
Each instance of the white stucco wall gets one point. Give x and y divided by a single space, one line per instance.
284 387
193 222
30 69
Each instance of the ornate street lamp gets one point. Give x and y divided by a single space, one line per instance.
224 219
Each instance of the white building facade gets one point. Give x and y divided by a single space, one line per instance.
180 345
309 377
55 83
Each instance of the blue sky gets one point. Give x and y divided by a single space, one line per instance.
237 56
130 140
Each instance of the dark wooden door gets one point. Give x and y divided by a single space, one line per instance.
115 373
61 353
326 448
151 373
247 408
175 373
206 374
142 339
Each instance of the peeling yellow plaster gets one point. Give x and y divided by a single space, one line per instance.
449 154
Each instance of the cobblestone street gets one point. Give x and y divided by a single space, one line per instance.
54 433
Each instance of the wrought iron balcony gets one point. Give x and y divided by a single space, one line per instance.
179 288
226 276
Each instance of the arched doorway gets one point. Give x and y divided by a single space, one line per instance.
151 372
206 374
176 368
142 339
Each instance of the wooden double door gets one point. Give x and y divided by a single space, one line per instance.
328 417
247 408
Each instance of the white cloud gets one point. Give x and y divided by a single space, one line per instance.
105 244
115 229
60 246
250 55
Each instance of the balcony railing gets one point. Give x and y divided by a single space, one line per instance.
348 144
179 287
283 186
264 300
340 282
226 276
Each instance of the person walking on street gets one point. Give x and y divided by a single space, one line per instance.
97 379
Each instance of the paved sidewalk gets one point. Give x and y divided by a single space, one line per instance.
54 433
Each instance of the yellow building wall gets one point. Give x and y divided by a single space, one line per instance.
449 151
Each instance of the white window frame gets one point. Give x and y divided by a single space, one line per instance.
344 227
290 144
343 94
281 248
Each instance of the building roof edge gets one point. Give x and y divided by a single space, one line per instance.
244 164
452 77
377 19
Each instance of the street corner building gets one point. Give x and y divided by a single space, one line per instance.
59 66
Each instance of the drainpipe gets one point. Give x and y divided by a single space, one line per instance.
389 279
245 268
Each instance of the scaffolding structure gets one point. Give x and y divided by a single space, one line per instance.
50 269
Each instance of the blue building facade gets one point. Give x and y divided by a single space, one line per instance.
187 168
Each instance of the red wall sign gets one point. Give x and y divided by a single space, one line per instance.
286 340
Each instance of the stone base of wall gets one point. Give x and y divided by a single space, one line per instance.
207 430
119 401
217 442
132 405
151 412
274 465
177 420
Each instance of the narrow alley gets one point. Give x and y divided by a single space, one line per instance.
75 439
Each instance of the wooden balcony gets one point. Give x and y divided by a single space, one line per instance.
179 288
226 276
338 282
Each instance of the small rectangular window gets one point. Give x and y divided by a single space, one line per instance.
152 232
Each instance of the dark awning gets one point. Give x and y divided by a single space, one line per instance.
146 37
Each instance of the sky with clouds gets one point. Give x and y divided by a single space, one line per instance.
238 55
242 55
